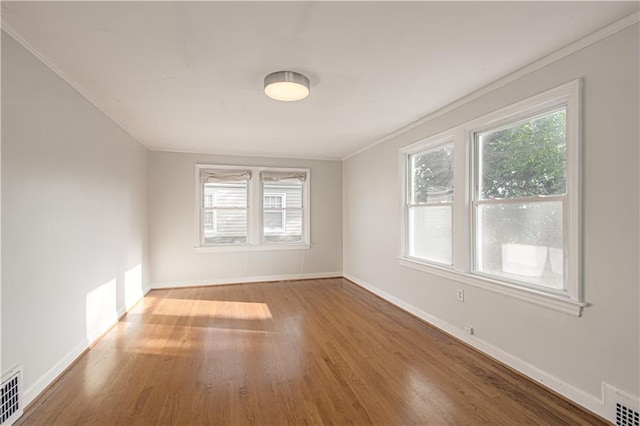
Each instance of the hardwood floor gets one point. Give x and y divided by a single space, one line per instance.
304 352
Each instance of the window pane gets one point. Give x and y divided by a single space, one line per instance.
430 233
522 241
282 194
273 221
292 230
232 194
282 225
524 160
230 228
273 201
431 175
209 223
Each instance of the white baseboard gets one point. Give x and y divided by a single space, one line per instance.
54 372
577 395
604 406
242 280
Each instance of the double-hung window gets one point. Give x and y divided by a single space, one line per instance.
224 206
430 202
283 206
251 208
518 200
514 224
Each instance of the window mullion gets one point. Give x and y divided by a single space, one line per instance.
459 220
255 209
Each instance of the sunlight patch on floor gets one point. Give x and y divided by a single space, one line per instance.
215 309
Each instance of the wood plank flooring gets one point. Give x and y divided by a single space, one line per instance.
288 353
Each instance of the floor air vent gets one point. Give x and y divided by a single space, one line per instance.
10 403
626 416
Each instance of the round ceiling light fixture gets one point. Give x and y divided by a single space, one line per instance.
286 86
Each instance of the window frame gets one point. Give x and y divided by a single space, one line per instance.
417 149
255 212
529 113
463 271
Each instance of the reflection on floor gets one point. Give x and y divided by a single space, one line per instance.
299 352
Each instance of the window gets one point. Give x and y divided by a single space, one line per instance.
429 203
224 206
513 225
283 209
519 198
251 208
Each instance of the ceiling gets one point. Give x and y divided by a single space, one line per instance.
188 76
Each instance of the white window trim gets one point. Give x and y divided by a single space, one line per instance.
571 301
417 148
254 213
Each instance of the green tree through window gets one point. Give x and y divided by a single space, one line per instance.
525 160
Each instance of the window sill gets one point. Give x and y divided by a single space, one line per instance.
246 247
551 301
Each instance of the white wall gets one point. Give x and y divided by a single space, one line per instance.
74 220
74 228
172 226
573 355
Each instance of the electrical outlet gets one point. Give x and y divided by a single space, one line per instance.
460 295
468 329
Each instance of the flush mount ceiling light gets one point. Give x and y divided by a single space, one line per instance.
286 86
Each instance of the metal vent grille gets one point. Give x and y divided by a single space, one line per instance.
10 407
625 416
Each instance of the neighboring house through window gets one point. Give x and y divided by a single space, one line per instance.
224 206
251 208
210 214
284 206
274 213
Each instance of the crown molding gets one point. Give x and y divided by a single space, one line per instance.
258 154
543 62
11 32
528 69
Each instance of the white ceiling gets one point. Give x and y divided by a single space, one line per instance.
187 76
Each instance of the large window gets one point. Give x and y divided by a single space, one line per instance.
514 223
251 208
519 197
224 206
283 206
429 203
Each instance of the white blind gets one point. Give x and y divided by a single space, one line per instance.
283 176
222 175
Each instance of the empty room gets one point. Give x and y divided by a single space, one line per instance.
288 213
